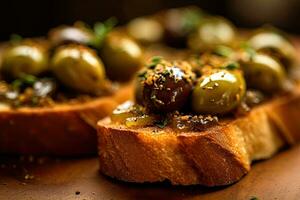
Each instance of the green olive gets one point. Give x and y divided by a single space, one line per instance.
211 33
121 55
264 73
79 68
275 44
24 58
145 30
69 34
218 92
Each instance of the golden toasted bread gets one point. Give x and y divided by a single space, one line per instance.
64 130
220 155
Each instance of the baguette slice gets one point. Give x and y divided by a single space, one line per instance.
63 130
220 155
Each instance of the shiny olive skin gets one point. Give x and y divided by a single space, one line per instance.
218 92
138 90
24 58
121 55
210 33
145 30
69 34
264 73
79 68
167 87
274 44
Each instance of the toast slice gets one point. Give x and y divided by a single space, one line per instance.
63 130
221 155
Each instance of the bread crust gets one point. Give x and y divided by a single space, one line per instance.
220 155
62 130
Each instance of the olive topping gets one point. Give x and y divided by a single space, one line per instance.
69 34
26 57
166 86
254 97
275 45
181 122
145 30
121 55
212 32
264 73
79 68
218 92
132 115
138 89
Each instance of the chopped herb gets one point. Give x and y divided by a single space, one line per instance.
24 80
29 79
251 52
15 38
248 49
191 19
197 60
231 66
34 101
154 61
101 30
166 73
162 123
223 51
142 75
16 84
254 198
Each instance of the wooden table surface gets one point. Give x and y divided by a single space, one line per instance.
53 179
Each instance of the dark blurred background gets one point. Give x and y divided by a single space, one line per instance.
34 18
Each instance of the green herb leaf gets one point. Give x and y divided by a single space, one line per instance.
101 30
29 79
25 79
16 84
249 50
191 19
155 61
162 123
15 38
223 51
253 198
231 66
142 75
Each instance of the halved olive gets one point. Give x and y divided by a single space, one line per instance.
121 55
276 45
264 73
218 92
79 68
145 30
210 33
69 34
24 58
166 86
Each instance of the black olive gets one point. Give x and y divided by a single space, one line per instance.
166 86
